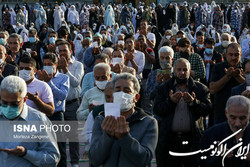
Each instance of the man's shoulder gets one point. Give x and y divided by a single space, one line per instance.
40 84
91 91
61 75
35 115
9 66
222 64
217 129
89 75
77 63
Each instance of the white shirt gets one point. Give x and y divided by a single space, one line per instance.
44 92
206 57
93 94
139 60
75 74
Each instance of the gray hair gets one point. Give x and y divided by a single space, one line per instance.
104 66
182 60
127 76
109 85
102 56
166 49
226 34
15 35
238 100
14 84
5 33
108 51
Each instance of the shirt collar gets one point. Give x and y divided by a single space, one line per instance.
24 114
56 75
32 82
71 60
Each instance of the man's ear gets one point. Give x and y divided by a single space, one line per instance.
110 77
225 113
137 97
25 98
35 71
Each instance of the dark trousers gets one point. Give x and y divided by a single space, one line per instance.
59 116
70 115
174 143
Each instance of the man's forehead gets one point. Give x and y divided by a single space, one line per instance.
22 64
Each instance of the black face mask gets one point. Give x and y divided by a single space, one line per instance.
181 81
184 55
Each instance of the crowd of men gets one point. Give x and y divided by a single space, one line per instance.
180 73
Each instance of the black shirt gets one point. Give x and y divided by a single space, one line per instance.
221 97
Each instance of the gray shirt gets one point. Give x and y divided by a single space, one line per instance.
181 120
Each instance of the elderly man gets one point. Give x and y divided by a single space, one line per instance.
224 77
88 81
180 102
225 41
6 69
90 53
197 65
130 139
238 114
95 96
14 109
158 76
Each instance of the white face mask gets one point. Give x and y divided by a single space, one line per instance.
225 43
212 31
101 84
1 61
125 100
120 42
248 36
201 45
25 75
116 60
168 36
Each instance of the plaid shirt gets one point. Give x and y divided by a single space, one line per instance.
197 64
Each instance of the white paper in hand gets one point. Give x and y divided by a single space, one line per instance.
112 109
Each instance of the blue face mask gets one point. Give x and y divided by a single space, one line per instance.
178 39
32 39
52 40
209 51
10 112
2 41
49 69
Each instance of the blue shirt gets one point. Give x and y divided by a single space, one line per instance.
38 153
89 60
59 85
